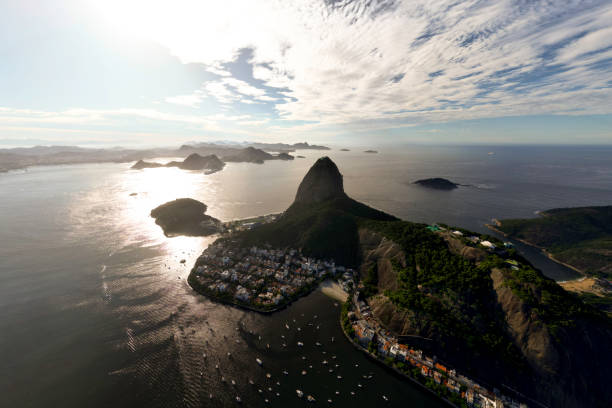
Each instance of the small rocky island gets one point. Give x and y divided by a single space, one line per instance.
370 151
194 161
185 216
437 183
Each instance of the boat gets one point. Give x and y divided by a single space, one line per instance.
300 344
204 355
303 372
324 362
318 344
233 382
333 339
285 372
268 345
217 366
359 385
259 361
339 377
260 390
286 326
251 382
268 375
352 392
299 329
266 400
210 396
337 392
229 354
329 400
331 370
270 389
310 398
238 399
284 344
222 379
299 393
385 398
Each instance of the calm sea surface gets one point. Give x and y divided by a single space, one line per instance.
95 309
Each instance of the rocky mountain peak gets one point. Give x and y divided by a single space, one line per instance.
322 182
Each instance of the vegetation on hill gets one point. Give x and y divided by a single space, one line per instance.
326 230
580 237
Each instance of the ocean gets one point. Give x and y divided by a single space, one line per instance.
95 306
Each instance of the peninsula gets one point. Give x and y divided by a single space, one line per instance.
479 307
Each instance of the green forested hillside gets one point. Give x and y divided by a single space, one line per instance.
580 237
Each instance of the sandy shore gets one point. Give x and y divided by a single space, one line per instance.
333 290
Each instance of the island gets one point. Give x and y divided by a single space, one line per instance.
344 150
185 216
437 183
462 313
141 164
370 151
194 161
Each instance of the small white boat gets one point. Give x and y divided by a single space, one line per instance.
324 362
352 392
285 372
229 354
339 377
310 398
385 398
233 382
318 344
329 400
268 375
204 355
359 385
217 366
337 392
268 345
238 399
299 393
286 326
259 361
300 344
222 379
251 382
303 372
210 396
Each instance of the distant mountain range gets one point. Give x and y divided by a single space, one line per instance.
20 157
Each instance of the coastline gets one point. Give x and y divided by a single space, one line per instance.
543 250
328 287
392 369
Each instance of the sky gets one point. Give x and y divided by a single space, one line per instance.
367 72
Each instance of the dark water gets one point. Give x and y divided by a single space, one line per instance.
96 310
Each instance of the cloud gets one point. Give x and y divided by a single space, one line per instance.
192 100
342 62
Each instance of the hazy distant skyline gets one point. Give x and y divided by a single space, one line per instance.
361 72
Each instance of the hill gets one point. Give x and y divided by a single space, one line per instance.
323 221
580 237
